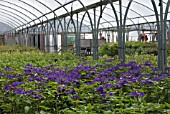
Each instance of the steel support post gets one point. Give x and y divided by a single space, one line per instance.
95 39
139 32
77 40
113 36
169 33
36 37
120 39
153 36
47 39
41 38
161 41
55 37
65 35
127 36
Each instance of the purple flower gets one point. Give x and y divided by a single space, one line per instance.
8 87
111 94
75 97
148 64
137 94
103 95
71 91
1 73
19 91
37 96
100 90
29 92
141 94
15 84
107 85
133 94
8 69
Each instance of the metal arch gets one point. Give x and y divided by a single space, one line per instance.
137 14
8 23
55 16
114 11
126 13
34 8
84 20
49 9
53 10
158 31
91 23
12 16
118 27
65 9
41 38
11 19
54 36
122 14
143 5
101 12
165 20
68 27
67 12
77 32
21 8
16 10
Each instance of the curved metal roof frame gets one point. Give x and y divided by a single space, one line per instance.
4 19
16 22
20 7
16 11
14 14
70 15
12 17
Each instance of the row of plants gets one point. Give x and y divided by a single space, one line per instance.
39 83
17 49
142 48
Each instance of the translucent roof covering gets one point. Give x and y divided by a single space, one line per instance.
22 13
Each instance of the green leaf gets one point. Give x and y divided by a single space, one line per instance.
168 105
42 112
27 108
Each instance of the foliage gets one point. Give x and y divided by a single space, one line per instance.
17 49
38 83
142 48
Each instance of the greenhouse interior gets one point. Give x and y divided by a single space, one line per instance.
85 56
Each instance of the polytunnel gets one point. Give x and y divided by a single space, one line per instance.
48 24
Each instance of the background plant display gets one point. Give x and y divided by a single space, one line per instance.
49 83
141 48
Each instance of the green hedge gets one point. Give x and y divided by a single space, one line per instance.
111 49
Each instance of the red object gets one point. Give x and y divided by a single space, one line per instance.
144 37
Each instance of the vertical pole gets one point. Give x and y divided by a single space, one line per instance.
77 42
139 32
120 41
161 37
65 35
47 40
95 39
127 36
169 33
153 36
112 36
55 36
